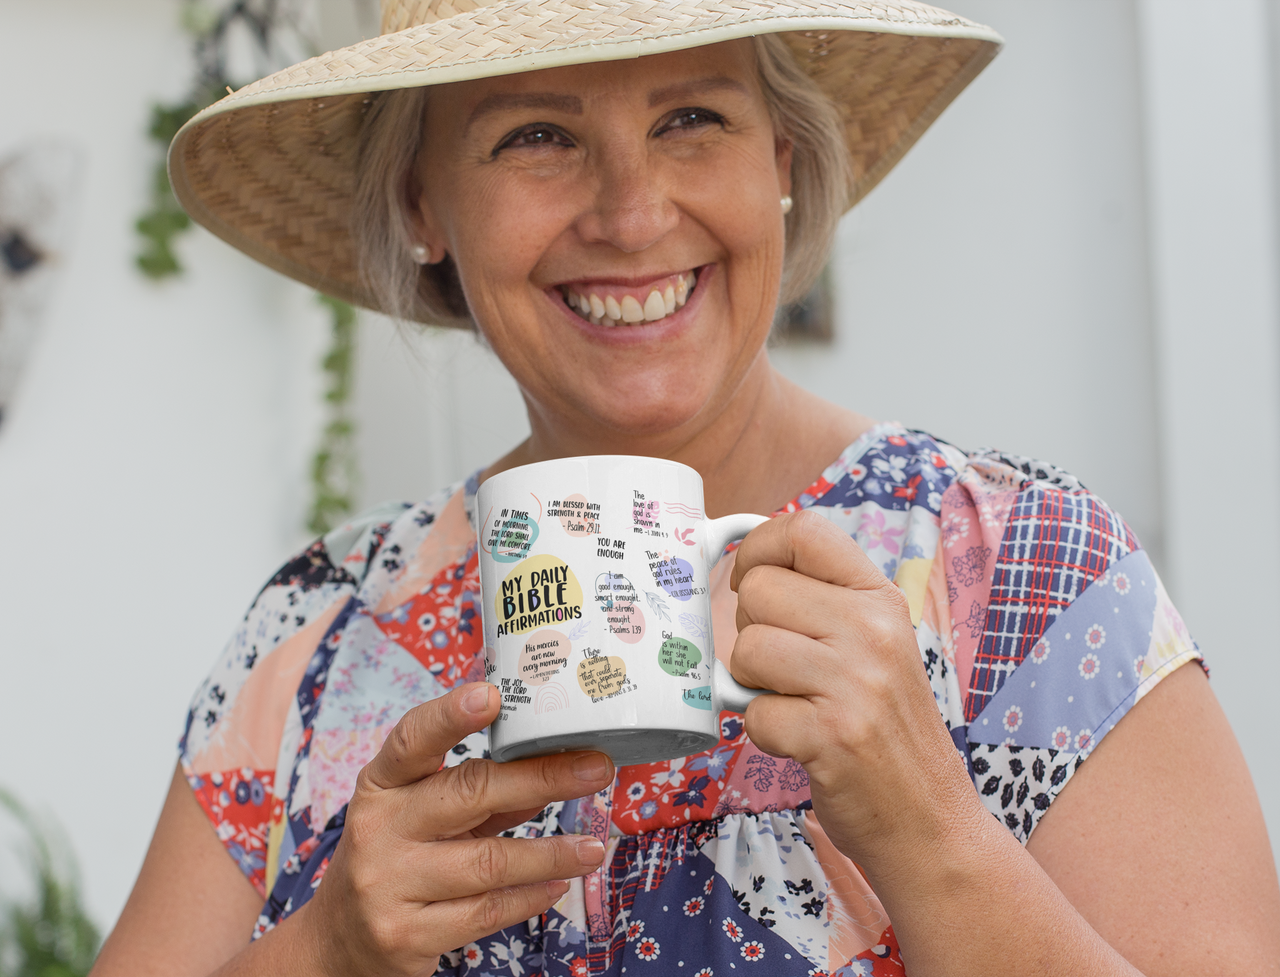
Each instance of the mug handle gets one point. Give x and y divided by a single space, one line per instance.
728 692
729 529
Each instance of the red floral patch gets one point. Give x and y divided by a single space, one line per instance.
441 626
240 804
670 793
885 957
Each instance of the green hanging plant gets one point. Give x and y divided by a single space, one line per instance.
333 468
164 219
51 935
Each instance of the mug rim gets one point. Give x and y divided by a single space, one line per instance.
589 458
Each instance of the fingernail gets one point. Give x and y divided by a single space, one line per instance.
590 851
477 700
556 889
591 766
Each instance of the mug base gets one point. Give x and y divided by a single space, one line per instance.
623 746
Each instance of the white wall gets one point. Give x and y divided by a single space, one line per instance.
1210 127
151 472
1059 268
432 408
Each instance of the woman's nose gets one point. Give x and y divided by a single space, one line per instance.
632 209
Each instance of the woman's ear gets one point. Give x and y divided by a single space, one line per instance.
421 223
782 156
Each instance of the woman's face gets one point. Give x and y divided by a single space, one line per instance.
617 229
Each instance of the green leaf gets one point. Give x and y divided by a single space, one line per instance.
166 120
333 467
50 935
161 225
158 262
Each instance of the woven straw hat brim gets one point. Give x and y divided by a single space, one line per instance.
271 168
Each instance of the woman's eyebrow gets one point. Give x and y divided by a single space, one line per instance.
498 101
688 89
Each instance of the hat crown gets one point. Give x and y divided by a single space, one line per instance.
400 15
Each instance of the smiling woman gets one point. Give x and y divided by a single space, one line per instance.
985 754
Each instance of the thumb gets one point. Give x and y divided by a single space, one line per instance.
416 747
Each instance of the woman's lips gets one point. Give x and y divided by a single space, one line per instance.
609 305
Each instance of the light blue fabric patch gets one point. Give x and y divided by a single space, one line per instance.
372 681
1083 668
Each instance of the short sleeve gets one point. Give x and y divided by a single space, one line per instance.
231 746
1061 625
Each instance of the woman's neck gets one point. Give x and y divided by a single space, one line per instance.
768 444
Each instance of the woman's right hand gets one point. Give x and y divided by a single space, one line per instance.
418 870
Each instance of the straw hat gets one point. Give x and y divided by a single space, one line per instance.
270 169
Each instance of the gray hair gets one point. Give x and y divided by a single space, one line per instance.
391 139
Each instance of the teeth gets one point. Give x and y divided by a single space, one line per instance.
631 310
654 307
610 311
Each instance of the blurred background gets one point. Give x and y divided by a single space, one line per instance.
1078 262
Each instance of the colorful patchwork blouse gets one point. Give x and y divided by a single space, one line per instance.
1040 623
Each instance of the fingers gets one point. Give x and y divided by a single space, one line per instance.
809 544
409 938
789 663
477 888
417 745
460 799
788 599
456 869
785 725
782 598
471 919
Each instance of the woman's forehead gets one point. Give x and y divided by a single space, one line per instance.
654 79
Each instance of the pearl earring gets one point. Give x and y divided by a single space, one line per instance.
786 205
421 254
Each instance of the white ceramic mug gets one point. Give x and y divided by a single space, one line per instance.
594 574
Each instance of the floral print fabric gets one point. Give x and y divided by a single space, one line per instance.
1039 619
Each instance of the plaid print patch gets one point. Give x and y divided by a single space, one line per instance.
1055 544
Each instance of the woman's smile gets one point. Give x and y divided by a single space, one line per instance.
619 299
618 303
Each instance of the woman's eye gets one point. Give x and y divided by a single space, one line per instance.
692 119
537 135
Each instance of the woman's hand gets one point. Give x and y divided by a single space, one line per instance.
819 623
418 870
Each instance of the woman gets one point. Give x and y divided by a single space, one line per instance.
544 170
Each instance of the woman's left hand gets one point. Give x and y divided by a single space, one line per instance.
820 624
